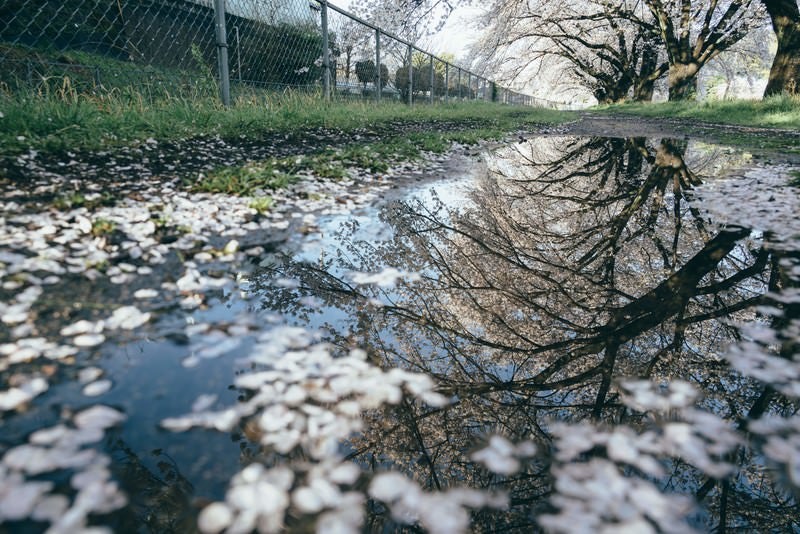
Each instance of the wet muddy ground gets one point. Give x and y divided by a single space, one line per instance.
485 338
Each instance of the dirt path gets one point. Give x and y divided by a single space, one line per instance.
780 143
36 176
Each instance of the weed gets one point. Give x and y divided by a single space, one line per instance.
247 179
261 204
161 221
76 199
101 227
369 157
69 201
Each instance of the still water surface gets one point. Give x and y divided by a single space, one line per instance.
624 308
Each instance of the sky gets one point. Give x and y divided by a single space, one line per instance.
456 36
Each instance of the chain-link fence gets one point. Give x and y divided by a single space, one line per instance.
156 47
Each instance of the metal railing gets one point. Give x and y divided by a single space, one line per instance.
160 46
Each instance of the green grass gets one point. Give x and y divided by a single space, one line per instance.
101 227
774 112
253 178
61 118
262 204
247 179
57 105
69 201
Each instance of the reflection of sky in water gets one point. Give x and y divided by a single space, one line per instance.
451 192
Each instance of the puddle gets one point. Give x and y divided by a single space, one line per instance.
572 334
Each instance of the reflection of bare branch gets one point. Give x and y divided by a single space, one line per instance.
573 267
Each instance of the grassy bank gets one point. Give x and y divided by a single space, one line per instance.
773 112
61 119
336 163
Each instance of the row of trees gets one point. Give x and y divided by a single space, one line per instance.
617 49
366 73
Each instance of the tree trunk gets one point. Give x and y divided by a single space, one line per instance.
785 73
348 53
648 74
682 80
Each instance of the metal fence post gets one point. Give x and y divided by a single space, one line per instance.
238 55
378 81
459 83
222 53
410 76
446 81
433 80
326 60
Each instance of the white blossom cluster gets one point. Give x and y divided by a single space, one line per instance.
305 397
758 356
756 360
438 512
83 334
503 457
781 444
766 208
596 496
603 494
28 388
259 498
643 396
61 448
387 278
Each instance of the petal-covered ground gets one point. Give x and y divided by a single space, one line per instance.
573 333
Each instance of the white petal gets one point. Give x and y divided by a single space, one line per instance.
214 518
99 416
89 340
97 388
307 501
145 294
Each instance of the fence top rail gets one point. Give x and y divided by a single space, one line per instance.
395 37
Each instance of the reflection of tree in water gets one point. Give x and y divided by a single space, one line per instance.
160 498
580 263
